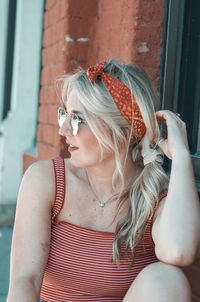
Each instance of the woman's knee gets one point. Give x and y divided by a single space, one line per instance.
164 275
160 271
159 279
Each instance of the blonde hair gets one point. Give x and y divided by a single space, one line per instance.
143 193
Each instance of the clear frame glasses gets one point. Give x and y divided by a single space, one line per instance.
73 118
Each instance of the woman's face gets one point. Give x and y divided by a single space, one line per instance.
88 150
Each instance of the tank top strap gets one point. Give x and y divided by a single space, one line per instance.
162 194
59 170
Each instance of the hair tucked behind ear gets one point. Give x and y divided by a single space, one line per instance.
142 194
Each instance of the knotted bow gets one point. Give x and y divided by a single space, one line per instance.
94 71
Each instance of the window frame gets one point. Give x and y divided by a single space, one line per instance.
175 54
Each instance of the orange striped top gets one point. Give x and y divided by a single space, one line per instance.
79 266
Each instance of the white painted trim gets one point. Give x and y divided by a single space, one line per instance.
19 128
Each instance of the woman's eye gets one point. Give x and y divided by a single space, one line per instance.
61 114
76 117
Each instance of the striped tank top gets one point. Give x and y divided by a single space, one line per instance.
79 265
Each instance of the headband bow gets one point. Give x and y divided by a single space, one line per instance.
121 95
94 71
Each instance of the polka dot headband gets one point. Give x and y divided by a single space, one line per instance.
121 96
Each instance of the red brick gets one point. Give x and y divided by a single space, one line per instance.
152 73
47 36
118 17
46 19
45 134
83 8
77 51
55 33
48 114
50 3
45 77
114 41
48 134
48 95
54 54
129 12
64 6
47 152
153 37
51 74
151 14
56 13
78 28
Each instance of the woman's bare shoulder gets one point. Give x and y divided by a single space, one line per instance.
44 166
40 175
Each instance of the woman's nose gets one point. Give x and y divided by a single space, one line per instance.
66 128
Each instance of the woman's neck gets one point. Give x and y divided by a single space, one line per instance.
100 176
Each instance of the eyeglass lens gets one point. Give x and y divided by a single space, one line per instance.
74 121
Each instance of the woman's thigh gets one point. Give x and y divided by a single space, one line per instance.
159 282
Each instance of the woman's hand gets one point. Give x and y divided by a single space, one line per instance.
176 142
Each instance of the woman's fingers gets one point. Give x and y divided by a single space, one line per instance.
160 140
176 140
166 117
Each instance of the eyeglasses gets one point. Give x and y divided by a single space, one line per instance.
74 119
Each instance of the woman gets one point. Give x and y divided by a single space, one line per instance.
108 224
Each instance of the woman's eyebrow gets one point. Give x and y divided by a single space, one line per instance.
75 111
78 112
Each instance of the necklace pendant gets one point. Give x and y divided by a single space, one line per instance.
102 204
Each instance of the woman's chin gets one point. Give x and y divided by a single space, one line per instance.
77 163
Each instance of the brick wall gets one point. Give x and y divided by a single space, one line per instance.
82 32
130 30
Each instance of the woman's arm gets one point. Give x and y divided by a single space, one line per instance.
176 230
31 235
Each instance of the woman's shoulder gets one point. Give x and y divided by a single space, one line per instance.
43 168
40 176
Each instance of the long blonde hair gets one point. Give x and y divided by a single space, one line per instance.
143 193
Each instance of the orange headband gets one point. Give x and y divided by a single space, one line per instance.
121 96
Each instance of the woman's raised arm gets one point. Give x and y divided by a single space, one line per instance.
176 231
